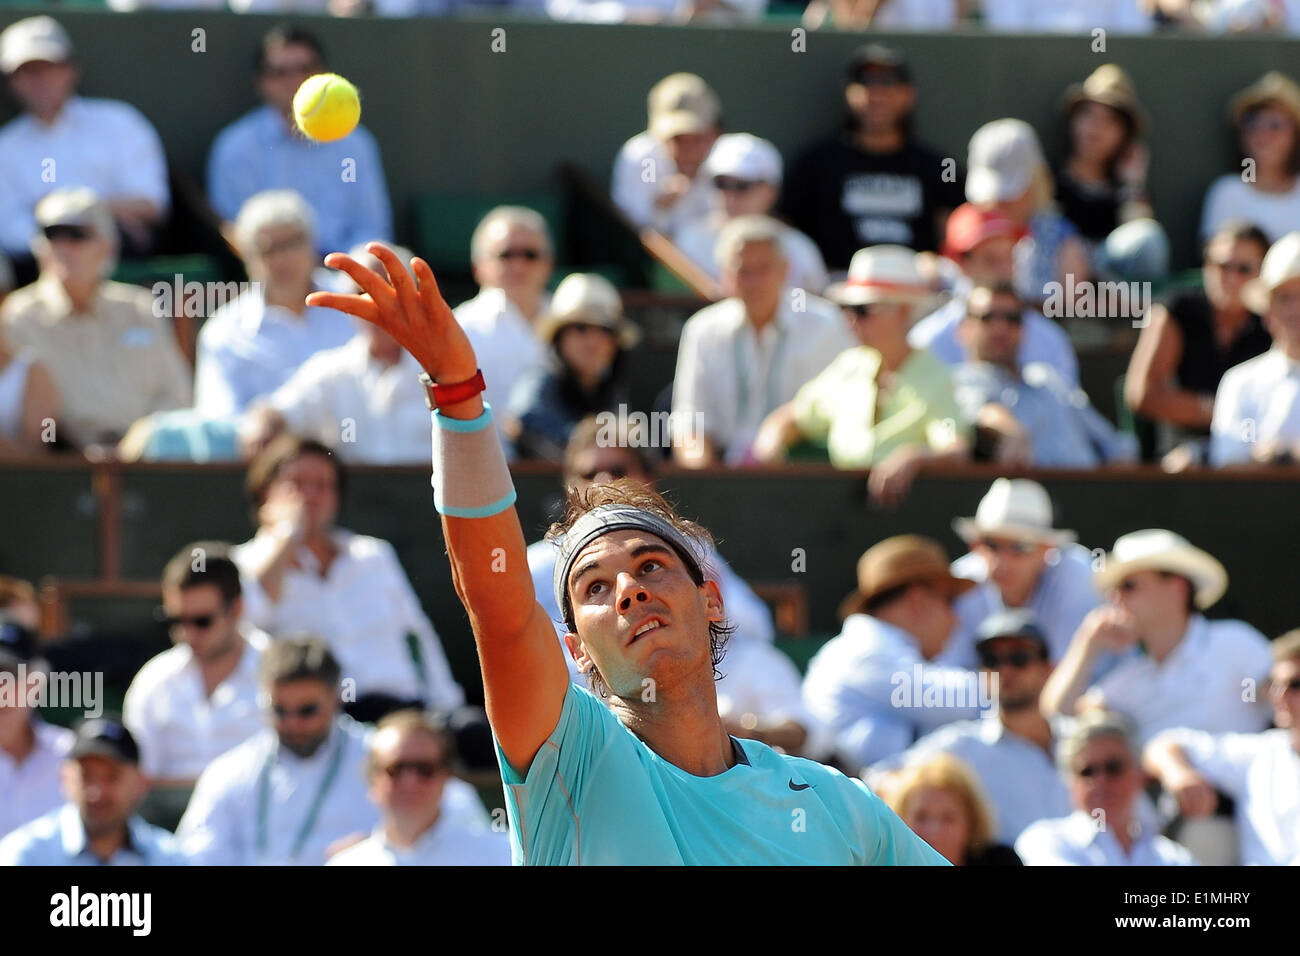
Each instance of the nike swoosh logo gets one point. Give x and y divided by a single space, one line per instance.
799 786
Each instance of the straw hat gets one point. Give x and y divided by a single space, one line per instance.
587 298
881 274
1156 549
1272 87
904 559
1015 508
1110 86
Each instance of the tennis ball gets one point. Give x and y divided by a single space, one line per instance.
326 107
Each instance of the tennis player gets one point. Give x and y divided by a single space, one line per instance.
641 772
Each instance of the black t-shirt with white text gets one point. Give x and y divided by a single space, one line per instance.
845 198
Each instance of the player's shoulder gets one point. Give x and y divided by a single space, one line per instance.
833 787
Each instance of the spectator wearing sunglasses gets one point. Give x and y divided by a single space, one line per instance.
589 340
1020 561
883 405
409 763
1107 827
1032 417
1179 669
745 173
685 119
103 145
1260 772
873 182
263 150
192 703
512 257
760 697
1192 339
111 358
982 243
1013 757
1257 407
1266 118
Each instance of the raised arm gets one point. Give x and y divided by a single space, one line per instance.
524 675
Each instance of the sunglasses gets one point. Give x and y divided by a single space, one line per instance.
878 78
67 231
1006 315
1014 547
200 621
1017 659
424 769
729 184
1115 767
856 312
302 713
1237 268
615 472
285 245
528 255
1270 124
1286 687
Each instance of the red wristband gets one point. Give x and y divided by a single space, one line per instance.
435 395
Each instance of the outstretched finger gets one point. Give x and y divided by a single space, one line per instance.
362 306
402 283
371 282
430 295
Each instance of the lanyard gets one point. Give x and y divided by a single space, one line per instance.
309 822
773 371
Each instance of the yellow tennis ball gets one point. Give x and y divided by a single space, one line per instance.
326 107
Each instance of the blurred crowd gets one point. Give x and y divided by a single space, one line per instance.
881 307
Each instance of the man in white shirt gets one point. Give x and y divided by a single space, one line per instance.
1106 827
742 358
512 256
1260 772
283 796
1018 560
745 175
408 766
31 750
1257 406
61 138
363 398
1180 670
192 703
98 825
253 344
301 573
658 178
1013 756
982 243
876 685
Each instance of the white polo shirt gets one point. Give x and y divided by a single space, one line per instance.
367 411
1077 840
876 693
178 727
730 377
1201 684
446 843
505 343
364 608
32 788
642 165
1019 777
1261 772
59 839
106 145
1257 402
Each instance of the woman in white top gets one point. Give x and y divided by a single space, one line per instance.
1265 189
28 404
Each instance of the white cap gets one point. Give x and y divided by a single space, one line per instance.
881 274
1015 508
745 157
36 38
682 103
590 298
1001 161
1281 264
1156 549
76 207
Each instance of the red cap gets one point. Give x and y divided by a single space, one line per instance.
968 226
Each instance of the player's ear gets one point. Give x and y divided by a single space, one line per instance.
712 601
578 652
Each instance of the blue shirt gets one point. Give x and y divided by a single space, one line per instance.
59 839
596 794
342 181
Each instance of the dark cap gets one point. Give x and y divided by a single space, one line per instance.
105 737
880 56
1012 622
17 644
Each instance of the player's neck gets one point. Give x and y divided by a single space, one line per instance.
682 728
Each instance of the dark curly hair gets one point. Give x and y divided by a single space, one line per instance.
632 493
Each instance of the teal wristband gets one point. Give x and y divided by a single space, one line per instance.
470 476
